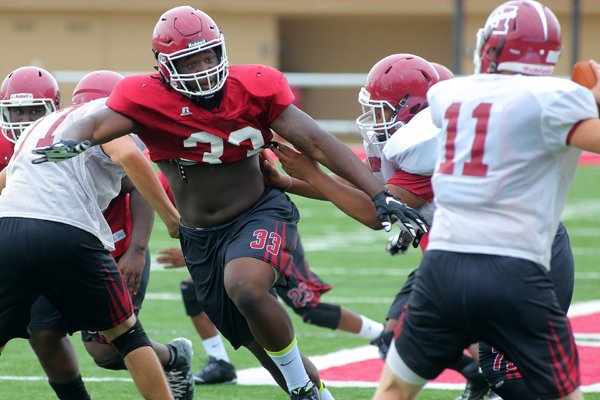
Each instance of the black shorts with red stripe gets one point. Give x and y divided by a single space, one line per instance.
44 316
267 231
510 303
69 266
500 371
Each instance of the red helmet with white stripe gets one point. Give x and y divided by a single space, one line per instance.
180 33
26 87
395 91
518 36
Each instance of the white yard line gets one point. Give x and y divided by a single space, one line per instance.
259 376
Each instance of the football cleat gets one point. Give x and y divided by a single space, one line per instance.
215 372
383 343
307 392
477 388
179 374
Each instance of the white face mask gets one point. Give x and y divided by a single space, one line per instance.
12 130
374 132
191 84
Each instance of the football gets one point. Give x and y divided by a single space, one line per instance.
583 74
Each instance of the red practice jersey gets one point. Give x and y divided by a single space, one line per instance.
163 181
173 126
118 216
6 151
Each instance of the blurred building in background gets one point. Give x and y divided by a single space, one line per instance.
326 47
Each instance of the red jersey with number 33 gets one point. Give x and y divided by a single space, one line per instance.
173 126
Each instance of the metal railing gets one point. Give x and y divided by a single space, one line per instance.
338 127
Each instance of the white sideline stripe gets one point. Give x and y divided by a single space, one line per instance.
588 339
331 299
402 272
584 308
45 379
576 310
591 388
259 376
440 386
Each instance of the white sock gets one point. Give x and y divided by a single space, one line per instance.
369 328
214 347
291 366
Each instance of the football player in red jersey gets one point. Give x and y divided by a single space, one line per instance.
130 218
204 124
302 295
27 94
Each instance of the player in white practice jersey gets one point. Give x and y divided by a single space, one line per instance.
130 218
52 213
400 143
511 138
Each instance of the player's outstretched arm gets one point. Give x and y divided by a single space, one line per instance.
353 202
310 139
96 128
307 136
287 183
125 153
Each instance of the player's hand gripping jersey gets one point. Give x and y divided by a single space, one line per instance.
496 185
253 98
81 187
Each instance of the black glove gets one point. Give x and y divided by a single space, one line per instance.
60 151
389 207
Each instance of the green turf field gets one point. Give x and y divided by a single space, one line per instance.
345 254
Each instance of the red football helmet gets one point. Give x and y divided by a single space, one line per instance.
95 85
395 91
519 36
184 31
26 87
443 72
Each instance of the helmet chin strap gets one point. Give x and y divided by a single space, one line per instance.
208 102
494 64
401 104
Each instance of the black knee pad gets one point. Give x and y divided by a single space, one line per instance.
324 315
190 299
134 338
115 364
